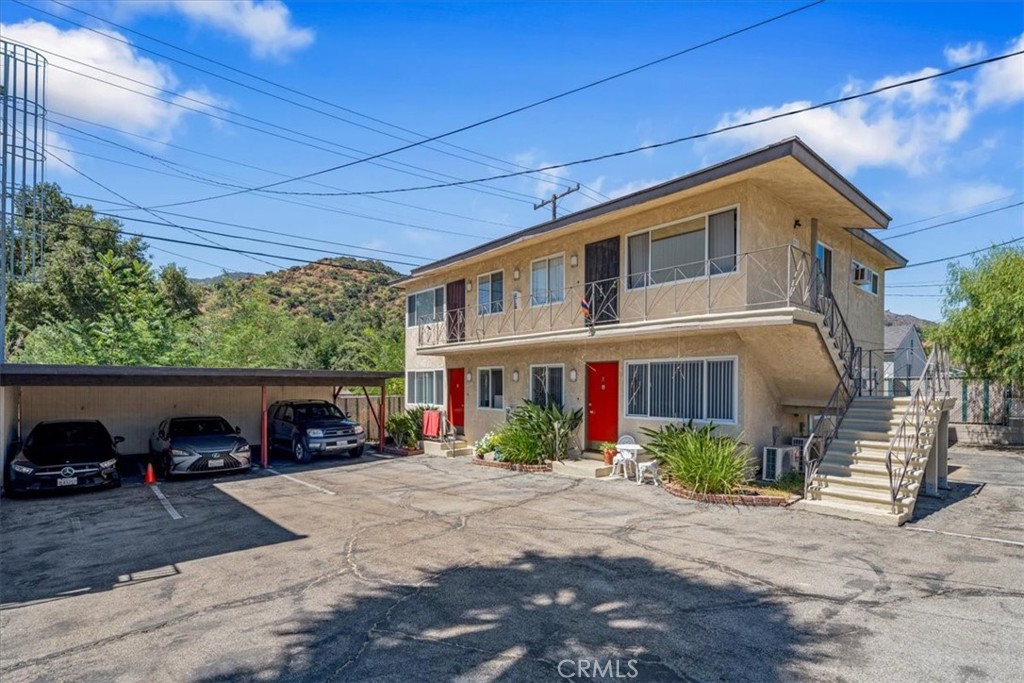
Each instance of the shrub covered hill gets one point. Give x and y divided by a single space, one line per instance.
334 290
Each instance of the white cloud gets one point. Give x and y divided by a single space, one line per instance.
962 54
267 26
84 97
970 196
1002 82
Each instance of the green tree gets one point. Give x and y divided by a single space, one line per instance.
134 324
984 315
246 331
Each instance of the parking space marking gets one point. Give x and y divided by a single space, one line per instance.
166 503
299 481
976 538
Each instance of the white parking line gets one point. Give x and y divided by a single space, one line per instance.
166 503
299 481
976 538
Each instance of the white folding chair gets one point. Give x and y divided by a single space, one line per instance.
643 468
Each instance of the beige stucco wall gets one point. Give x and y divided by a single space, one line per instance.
757 403
133 412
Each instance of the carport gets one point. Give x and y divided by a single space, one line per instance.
131 401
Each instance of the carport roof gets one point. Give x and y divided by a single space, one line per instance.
13 375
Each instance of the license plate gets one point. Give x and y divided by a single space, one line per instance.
67 481
331 444
215 463
352 442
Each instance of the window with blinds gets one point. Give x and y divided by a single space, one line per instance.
490 293
547 281
424 387
546 384
490 388
682 389
683 250
425 307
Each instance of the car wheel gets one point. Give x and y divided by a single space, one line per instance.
357 451
300 452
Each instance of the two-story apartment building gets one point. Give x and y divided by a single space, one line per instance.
731 295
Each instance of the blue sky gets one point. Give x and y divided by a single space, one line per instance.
947 150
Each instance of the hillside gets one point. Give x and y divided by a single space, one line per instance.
907 319
333 290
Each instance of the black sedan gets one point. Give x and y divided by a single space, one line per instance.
65 455
194 445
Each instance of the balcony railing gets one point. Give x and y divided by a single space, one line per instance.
776 277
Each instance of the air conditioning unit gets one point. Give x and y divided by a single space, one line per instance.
777 461
860 276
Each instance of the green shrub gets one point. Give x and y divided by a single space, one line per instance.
551 426
791 482
518 444
402 428
699 459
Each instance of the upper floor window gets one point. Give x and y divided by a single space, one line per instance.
684 250
490 293
547 281
824 254
864 277
425 307
546 384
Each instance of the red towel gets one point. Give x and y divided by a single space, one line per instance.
432 423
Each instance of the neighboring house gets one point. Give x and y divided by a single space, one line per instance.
734 295
905 358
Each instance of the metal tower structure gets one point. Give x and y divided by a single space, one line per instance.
23 143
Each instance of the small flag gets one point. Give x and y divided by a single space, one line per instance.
584 306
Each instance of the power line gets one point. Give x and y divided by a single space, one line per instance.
966 253
950 213
51 155
952 222
287 88
581 88
247 165
611 155
203 110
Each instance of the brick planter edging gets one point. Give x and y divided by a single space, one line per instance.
393 450
512 466
728 498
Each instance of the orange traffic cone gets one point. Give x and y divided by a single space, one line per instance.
150 474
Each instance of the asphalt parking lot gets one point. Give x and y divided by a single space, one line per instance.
428 569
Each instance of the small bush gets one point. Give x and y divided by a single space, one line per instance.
551 425
402 428
518 444
791 482
699 459
486 443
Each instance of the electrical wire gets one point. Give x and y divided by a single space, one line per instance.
966 253
952 222
280 86
611 155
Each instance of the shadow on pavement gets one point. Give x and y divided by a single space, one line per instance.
542 617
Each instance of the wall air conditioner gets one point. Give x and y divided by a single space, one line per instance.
777 461
860 276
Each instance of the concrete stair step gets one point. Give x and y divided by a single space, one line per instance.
852 510
862 495
859 480
867 458
835 466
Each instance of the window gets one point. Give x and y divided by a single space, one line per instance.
490 388
490 291
864 277
425 307
546 384
682 389
547 281
424 387
683 250
824 255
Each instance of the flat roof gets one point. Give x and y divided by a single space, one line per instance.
23 375
790 147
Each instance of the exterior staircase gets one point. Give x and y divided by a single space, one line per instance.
853 479
449 448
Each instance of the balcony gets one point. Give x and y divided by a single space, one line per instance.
719 291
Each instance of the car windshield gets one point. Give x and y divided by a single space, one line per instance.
317 411
68 435
199 426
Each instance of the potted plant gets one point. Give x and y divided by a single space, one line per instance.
609 449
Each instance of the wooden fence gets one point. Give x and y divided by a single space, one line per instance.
356 406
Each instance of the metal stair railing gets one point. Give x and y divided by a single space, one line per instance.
932 386
850 381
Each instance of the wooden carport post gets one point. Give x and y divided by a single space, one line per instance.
381 417
264 443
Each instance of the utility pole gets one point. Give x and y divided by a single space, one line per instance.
553 201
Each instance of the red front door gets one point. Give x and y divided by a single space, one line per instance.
602 402
457 397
